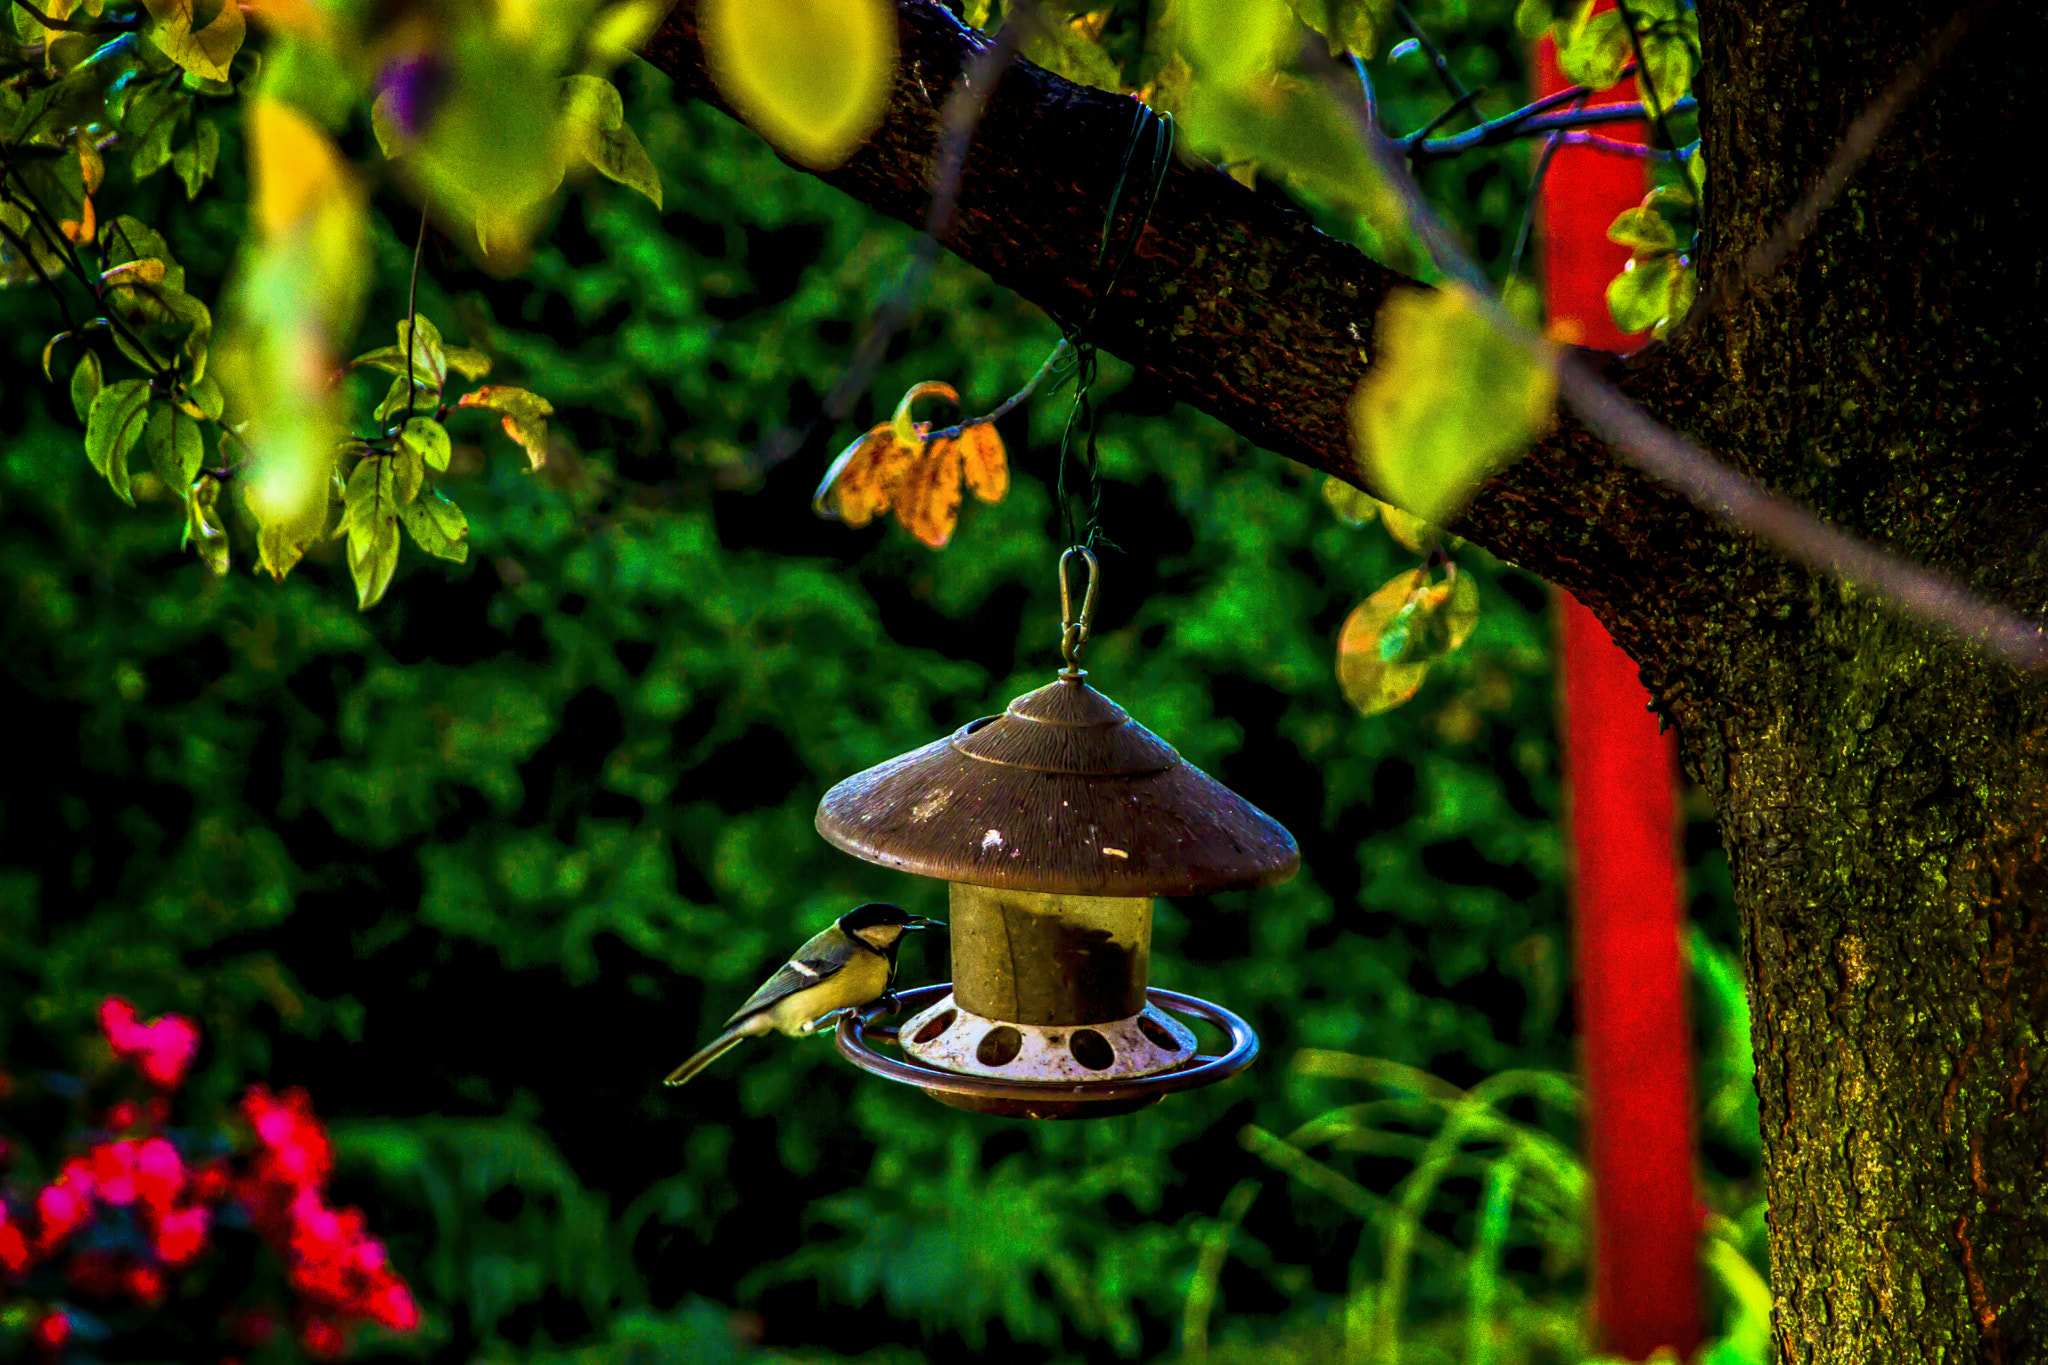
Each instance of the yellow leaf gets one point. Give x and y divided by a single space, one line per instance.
292 163
983 462
856 488
1353 506
1453 395
1369 681
205 53
132 273
927 496
901 423
811 76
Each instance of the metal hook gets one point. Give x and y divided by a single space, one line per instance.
1073 631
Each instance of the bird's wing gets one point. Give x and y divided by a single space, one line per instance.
823 957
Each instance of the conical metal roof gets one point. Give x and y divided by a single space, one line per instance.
1062 793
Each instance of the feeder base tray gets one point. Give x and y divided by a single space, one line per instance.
1149 1073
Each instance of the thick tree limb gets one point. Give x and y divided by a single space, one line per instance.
1232 302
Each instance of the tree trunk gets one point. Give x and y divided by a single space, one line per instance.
1883 793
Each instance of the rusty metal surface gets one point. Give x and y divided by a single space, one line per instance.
1049 1099
1063 792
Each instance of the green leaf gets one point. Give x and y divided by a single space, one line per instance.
113 424
203 529
1372 678
467 363
523 414
1353 506
205 395
1667 56
372 558
370 519
1651 292
1594 50
395 399
194 162
1533 19
125 239
1072 47
1390 639
1677 196
408 472
1643 231
428 439
438 527
1347 25
770 62
618 155
86 383
153 152
429 363
172 440
206 52
1454 393
1230 42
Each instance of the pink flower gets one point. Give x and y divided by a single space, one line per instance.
163 1048
322 1339
145 1282
66 1206
181 1235
392 1306
15 1253
295 1147
53 1331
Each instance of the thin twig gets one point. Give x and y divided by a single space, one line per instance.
1372 109
1525 123
1459 106
1003 409
29 255
412 313
963 111
1614 146
73 26
1550 147
1921 594
1857 143
1452 84
52 232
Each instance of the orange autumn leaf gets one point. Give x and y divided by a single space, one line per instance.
983 462
898 467
927 497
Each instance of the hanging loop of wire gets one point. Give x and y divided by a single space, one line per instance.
1112 253
1074 630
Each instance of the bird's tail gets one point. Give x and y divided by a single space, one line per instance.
711 1052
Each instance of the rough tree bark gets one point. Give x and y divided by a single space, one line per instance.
1883 793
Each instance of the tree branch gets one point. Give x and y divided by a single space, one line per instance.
1230 302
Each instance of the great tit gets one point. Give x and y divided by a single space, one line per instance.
849 965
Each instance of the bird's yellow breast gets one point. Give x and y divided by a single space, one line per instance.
857 983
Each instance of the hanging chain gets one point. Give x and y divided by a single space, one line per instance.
1109 267
1074 630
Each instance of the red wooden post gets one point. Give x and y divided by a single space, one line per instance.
1621 778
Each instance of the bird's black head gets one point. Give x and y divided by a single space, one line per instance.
882 925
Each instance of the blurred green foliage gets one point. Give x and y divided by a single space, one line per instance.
478 866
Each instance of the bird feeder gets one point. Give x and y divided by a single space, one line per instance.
1054 826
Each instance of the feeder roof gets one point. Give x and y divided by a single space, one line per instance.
1062 793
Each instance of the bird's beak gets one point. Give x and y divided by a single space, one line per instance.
920 922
